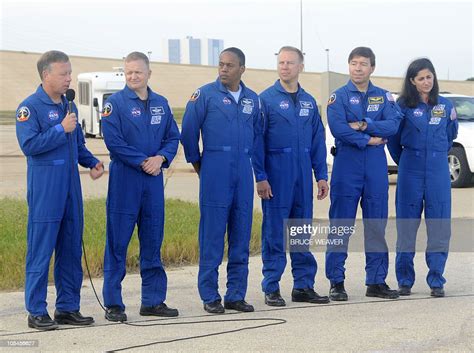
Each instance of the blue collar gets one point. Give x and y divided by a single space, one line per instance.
43 96
280 88
132 95
224 89
350 85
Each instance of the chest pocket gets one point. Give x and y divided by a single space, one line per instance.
278 115
247 106
306 115
437 123
438 115
222 106
353 112
133 121
374 111
375 106
305 111
248 130
156 118
353 108
50 116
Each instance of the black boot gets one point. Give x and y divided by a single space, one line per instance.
115 314
338 292
404 290
158 310
274 299
72 318
214 307
308 295
381 290
42 322
437 292
239 305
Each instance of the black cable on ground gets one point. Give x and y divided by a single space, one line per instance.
306 307
274 323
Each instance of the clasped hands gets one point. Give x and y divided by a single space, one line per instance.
152 165
264 190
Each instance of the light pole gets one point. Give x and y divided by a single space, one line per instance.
301 25
327 59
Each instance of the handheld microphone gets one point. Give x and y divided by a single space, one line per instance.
70 95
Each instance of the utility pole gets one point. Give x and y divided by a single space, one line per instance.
301 25
327 59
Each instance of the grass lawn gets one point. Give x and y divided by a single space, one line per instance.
180 245
7 117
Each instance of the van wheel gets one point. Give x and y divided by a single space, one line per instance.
458 168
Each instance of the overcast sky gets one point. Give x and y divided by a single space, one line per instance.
397 31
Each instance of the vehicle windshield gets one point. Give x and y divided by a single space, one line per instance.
464 107
106 96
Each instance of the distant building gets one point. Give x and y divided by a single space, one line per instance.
174 51
196 51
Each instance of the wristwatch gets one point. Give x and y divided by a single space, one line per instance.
360 124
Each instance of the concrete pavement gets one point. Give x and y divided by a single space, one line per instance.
412 324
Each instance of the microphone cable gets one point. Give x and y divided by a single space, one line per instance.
70 95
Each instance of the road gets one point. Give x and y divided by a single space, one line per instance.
181 181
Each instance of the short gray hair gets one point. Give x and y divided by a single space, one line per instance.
294 50
48 58
136 55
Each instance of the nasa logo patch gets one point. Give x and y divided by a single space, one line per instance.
53 115
136 112
418 112
284 105
354 100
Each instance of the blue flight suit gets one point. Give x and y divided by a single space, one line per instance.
292 147
133 131
360 173
226 182
55 215
420 149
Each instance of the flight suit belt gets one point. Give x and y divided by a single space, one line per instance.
420 152
353 147
283 150
48 162
222 149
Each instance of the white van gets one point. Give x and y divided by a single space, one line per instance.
93 90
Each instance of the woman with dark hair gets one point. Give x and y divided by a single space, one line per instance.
420 148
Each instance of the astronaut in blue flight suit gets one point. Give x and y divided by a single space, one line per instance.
142 137
47 135
420 149
361 117
226 113
291 147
